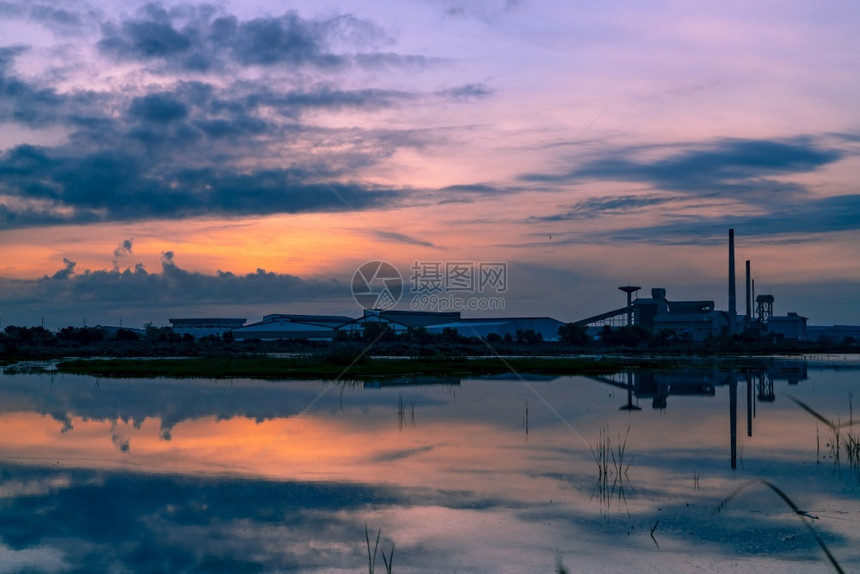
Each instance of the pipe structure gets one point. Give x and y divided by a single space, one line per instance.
749 294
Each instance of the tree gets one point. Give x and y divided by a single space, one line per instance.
626 336
493 338
420 336
450 335
528 336
574 335
82 335
126 335
376 331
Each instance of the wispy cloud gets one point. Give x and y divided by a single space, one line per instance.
737 168
810 216
606 206
401 238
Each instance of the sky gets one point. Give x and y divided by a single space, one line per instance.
180 159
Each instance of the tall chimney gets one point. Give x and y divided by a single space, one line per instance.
753 291
749 293
733 307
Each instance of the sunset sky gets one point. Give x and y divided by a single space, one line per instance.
242 158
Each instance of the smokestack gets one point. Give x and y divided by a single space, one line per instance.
753 291
749 293
733 307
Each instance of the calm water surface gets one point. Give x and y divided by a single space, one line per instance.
472 475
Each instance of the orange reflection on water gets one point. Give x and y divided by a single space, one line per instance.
299 448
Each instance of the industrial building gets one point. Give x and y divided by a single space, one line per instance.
693 320
546 327
204 327
699 320
399 321
287 326
833 333
437 322
792 327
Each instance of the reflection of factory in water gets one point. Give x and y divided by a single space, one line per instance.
658 386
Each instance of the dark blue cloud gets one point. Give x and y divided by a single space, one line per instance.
730 168
152 37
120 186
401 238
68 19
169 156
475 189
158 107
468 92
285 39
182 149
605 206
782 224
199 38
37 105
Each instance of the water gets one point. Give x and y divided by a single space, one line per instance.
474 475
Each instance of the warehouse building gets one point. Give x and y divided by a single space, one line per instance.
204 327
287 326
399 321
546 327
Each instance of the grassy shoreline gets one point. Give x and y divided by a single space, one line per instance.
365 368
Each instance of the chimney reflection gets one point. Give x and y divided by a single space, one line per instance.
630 406
733 417
659 386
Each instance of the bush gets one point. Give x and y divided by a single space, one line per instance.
626 336
574 335
126 335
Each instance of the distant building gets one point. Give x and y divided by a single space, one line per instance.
696 319
833 333
693 326
203 327
286 326
791 326
546 327
399 321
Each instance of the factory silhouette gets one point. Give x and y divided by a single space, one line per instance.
692 321
698 320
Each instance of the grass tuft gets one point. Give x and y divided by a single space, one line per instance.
371 557
611 466
850 442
